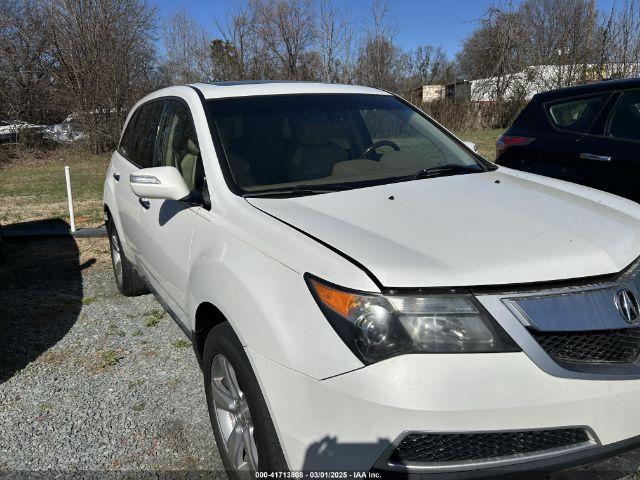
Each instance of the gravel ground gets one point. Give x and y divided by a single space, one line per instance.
95 385
119 391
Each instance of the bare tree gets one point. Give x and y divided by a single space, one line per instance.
287 30
335 37
495 56
224 61
429 65
564 34
307 40
381 63
621 47
240 54
106 53
187 47
496 51
27 88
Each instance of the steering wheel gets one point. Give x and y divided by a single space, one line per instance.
376 145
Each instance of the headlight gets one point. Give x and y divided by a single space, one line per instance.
376 326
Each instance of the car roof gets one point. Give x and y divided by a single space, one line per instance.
595 87
276 87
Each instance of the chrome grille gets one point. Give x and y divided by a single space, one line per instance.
621 345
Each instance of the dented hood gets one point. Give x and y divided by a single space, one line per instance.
491 228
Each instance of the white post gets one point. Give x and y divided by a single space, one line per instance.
70 199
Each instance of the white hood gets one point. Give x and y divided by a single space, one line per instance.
470 230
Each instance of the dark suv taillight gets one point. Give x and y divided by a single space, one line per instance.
507 141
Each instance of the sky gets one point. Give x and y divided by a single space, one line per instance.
441 23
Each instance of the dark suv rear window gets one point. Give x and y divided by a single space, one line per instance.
576 114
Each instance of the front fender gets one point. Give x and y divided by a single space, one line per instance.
267 303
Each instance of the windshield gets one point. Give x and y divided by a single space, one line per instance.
285 141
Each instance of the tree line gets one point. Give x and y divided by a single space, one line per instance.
95 58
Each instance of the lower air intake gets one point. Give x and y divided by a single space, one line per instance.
467 447
622 346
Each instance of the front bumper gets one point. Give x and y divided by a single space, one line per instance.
348 422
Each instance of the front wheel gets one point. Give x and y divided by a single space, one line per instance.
244 433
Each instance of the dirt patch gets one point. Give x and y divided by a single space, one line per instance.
95 250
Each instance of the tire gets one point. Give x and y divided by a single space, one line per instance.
129 283
221 345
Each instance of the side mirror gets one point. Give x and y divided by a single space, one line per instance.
159 182
471 146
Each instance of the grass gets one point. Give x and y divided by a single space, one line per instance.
115 330
89 300
33 187
153 317
484 139
151 321
46 407
181 344
109 358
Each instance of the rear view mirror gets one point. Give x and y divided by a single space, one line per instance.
159 182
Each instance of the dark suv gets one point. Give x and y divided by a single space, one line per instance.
589 134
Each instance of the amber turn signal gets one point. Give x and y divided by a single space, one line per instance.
338 301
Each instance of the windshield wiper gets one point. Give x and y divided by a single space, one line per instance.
299 190
440 171
307 189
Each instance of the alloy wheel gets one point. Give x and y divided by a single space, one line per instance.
233 417
116 256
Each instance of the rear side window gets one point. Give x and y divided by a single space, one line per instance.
144 134
624 122
126 143
576 115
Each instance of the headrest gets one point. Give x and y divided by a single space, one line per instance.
192 147
313 130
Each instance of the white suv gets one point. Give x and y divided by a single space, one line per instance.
364 292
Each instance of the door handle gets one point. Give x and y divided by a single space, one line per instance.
597 158
116 176
146 204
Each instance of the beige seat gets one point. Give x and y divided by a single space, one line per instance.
188 164
314 154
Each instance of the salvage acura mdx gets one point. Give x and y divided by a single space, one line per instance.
365 293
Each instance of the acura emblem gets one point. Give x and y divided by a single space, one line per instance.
627 305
